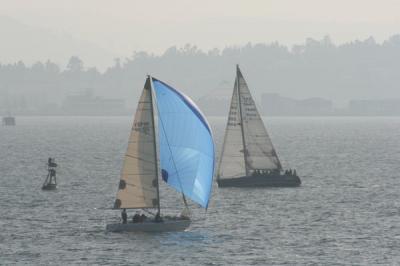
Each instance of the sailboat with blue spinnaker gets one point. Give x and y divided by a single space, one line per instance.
177 148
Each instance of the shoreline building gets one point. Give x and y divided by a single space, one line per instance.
8 121
88 104
276 105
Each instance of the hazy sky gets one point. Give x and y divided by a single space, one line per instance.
122 26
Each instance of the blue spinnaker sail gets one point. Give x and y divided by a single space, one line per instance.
186 144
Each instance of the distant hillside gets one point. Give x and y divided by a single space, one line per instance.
316 69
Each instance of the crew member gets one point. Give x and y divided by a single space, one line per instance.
124 216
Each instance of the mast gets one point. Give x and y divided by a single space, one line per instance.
241 120
155 143
222 151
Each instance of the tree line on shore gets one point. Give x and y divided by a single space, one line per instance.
360 69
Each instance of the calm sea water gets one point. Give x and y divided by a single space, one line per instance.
347 212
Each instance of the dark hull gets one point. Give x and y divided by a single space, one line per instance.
150 226
271 180
9 121
49 187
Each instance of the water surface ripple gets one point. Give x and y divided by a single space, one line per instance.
346 213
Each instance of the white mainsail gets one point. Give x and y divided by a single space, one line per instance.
138 186
260 153
232 161
247 145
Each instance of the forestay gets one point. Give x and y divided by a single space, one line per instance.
186 144
138 183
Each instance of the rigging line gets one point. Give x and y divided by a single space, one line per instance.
241 120
173 161
138 158
155 141
145 210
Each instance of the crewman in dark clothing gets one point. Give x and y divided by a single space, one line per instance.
124 216
158 218
51 162
136 218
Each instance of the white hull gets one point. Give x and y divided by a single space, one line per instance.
150 226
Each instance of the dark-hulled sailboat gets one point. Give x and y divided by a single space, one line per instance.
248 158
8 121
178 147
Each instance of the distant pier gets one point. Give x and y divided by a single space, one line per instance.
8 121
